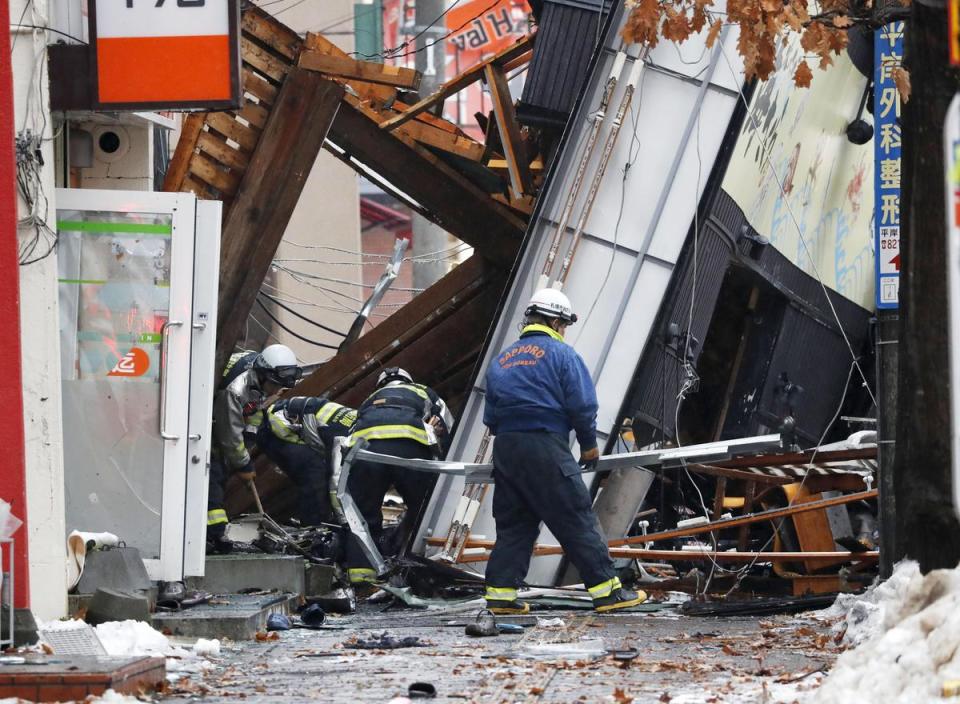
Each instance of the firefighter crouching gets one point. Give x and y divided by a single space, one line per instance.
403 419
538 390
248 380
299 437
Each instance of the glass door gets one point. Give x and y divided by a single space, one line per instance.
126 286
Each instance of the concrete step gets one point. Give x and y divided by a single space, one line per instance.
233 616
232 574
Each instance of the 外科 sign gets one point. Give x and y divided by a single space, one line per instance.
888 53
159 54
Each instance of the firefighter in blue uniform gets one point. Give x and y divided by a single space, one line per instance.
402 419
538 390
298 435
249 378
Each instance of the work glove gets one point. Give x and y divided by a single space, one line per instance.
280 405
247 472
590 458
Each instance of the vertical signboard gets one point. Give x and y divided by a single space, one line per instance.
165 54
953 13
888 55
951 163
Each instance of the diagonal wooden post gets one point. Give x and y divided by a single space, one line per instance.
268 194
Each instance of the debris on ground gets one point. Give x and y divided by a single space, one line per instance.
385 642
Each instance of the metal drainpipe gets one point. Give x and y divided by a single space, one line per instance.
661 204
13 479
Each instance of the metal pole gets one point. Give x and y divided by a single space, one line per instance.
887 360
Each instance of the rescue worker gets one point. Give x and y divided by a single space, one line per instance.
538 390
403 419
298 436
249 378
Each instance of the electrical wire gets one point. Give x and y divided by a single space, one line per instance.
392 52
291 332
300 315
43 28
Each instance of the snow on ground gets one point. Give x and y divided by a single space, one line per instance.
906 638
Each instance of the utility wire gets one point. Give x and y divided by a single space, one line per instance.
296 335
300 315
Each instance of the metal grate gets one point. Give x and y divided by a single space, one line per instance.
81 640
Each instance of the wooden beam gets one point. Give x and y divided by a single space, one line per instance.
374 349
353 69
254 225
513 147
458 83
869 453
180 163
834 558
456 204
715 525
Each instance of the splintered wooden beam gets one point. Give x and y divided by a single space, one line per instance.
520 179
456 204
458 83
353 69
268 193
374 92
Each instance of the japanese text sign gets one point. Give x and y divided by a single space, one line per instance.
888 55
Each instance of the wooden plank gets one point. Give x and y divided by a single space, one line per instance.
520 180
812 527
458 83
271 32
200 189
261 89
354 69
869 453
180 163
255 114
225 124
376 94
268 194
441 139
222 152
501 165
516 63
213 174
265 62
452 201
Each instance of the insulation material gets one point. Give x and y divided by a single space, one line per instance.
906 634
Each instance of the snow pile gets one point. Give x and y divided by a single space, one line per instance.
908 632
112 697
135 638
209 648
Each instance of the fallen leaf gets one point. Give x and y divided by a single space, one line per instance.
621 697
803 75
665 697
272 635
729 650
714 33
901 77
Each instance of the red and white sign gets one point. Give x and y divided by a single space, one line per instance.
136 362
154 54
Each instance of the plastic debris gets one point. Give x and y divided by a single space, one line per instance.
313 615
485 625
551 623
208 648
278 622
421 690
584 649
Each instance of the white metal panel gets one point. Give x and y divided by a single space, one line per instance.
660 134
206 279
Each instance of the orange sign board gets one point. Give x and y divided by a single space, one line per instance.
953 13
166 54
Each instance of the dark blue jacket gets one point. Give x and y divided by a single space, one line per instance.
541 383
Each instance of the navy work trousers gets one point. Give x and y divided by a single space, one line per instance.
307 469
536 479
369 482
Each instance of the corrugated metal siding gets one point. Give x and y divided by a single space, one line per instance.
567 34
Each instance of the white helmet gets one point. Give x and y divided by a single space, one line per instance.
551 303
278 364
393 374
